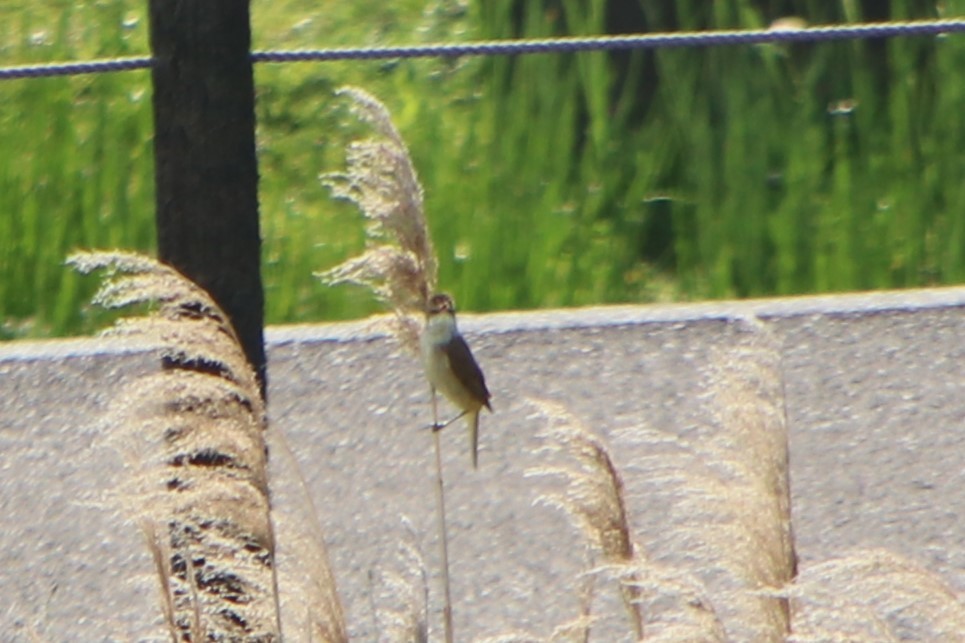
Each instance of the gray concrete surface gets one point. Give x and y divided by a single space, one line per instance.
875 398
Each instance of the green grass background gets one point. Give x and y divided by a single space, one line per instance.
550 180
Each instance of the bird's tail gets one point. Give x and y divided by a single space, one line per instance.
474 437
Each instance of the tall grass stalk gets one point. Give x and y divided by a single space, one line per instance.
399 264
447 627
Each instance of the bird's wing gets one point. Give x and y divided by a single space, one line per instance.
465 368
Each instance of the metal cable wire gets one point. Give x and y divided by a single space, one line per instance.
75 69
534 46
641 41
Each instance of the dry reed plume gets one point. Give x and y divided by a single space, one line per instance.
874 596
399 265
594 501
722 566
727 530
747 450
722 486
194 436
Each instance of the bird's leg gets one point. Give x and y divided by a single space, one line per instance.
435 411
439 427
436 426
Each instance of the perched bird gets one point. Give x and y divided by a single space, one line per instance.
451 368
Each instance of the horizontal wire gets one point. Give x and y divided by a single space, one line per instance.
77 68
640 41
533 46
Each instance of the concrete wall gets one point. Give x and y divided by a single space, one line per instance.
875 400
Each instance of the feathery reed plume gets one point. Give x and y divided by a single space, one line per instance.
593 500
199 487
722 486
874 595
400 594
749 451
399 265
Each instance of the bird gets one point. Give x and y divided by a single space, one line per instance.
451 369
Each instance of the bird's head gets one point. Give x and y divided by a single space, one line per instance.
441 303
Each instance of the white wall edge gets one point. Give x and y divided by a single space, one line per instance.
850 304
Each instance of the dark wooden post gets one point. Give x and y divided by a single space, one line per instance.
204 149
